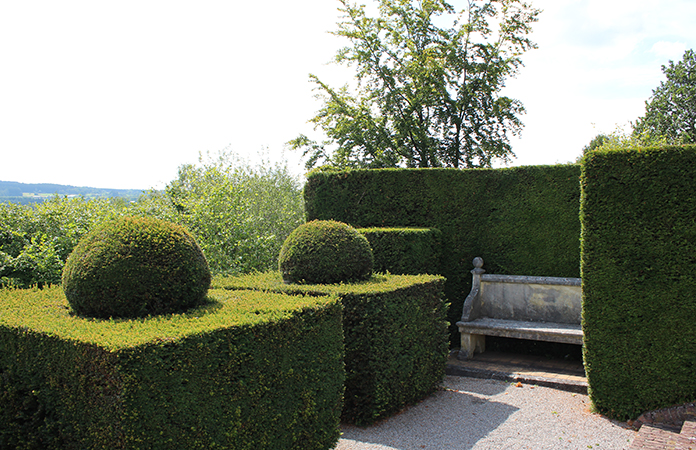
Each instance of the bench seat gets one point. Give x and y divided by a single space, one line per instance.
537 331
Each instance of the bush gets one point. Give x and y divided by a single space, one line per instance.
240 214
250 370
521 220
133 267
395 335
325 252
639 278
36 240
409 251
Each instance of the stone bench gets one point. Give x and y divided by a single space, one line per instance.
523 307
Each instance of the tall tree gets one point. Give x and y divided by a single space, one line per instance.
428 85
671 110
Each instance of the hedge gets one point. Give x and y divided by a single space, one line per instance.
409 251
521 220
395 338
249 370
639 278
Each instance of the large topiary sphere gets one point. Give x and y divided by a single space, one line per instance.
324 252
133 267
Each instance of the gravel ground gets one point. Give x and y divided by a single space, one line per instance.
480 414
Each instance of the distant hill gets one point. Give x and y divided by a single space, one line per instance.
26 193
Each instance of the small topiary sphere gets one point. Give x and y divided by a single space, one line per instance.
324 252
134 267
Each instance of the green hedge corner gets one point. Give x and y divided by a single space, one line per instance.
395 332
639 278
248 370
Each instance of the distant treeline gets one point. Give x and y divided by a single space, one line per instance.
27 193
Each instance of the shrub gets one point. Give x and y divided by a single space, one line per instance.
521 220
325 252
36 240
132 267
240 214
405 250
395 335
639 278
249 370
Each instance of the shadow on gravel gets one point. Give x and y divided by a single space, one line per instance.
446 419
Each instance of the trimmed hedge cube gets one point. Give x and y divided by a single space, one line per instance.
395 337
250 370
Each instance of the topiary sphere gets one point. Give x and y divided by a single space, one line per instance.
324 252
134 267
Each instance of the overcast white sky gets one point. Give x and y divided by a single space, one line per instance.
119 94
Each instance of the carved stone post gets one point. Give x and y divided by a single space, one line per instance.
472 343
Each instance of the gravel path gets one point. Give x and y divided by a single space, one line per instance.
480 414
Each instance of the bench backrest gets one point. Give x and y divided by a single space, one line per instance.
525 298
536 299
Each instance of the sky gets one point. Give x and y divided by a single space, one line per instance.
120 94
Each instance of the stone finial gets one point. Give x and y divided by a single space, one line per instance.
478 262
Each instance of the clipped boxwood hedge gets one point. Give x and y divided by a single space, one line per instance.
521 220
324 252
409 251
134 267
639 278
250 370
395 337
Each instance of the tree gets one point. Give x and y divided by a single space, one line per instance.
671 110
426 95
595 143
240 214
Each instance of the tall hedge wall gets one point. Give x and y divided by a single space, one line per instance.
521 220
639 278
409 251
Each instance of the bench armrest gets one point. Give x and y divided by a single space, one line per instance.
471 308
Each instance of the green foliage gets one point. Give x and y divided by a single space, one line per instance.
395 337
521 220
240 214
325 252
639 278
250 370
429 82
405 250
36 241
595 143
671 110
133 267
619 139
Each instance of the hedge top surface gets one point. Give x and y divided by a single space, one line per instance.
46 311
398 229
273 282
134 267
325 252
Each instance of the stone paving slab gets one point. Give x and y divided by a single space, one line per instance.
526 369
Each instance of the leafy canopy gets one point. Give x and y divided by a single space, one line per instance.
621 139
239 213
671 110
428 85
